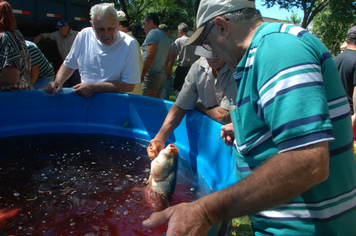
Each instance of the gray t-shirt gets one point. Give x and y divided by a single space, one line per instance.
186 55
201 84
64 43
157 36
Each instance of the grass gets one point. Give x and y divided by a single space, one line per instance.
241 226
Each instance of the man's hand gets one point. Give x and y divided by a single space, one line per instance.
184 219
156 145
37 39
353 120
53 87
84 89
227 134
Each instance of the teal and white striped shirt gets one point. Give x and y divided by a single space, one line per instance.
290 96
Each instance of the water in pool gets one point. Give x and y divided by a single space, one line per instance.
82 184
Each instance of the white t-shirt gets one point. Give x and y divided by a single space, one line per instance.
98 62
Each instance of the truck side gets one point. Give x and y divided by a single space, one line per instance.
40 16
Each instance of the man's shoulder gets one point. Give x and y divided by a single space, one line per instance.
74 32
182 39
30 44
122 36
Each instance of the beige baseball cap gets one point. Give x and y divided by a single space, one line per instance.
121 15
209 9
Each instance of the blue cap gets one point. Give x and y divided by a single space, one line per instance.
61 23
351 33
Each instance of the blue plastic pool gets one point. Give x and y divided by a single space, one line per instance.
197 137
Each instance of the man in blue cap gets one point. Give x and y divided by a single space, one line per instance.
64 38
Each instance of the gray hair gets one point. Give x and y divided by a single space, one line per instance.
246 15
103 9
183 27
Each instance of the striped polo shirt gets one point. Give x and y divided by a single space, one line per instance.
290 96
46 69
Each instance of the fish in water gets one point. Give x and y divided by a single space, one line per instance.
163 177
6 215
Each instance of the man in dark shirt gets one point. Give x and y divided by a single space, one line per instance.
346 64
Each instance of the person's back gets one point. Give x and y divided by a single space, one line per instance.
186 57
155 49
14 56
346 64
44 72
158 37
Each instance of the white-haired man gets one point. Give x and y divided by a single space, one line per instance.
185 59
291 121
107 59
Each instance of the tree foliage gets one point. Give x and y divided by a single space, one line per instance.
310 8
293 19
332 24
169 11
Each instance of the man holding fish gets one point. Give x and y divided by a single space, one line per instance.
208 75
291 128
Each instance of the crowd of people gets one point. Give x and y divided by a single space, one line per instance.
275 87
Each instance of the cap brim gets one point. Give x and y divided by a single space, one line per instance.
198 36
202 52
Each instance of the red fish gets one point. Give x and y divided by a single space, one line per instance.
163 177
6 215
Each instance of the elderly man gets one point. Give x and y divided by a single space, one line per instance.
107 59
64 38
208 76
154 54
186 57
291 120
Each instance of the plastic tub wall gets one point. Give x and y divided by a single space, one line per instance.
132 116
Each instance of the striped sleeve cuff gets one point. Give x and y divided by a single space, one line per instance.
302 141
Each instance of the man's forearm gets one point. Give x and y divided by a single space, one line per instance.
280 179
146 66
173 119
216 113
35 70
112 86
63 74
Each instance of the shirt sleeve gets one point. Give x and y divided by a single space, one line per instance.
188 96
131 73
291 91
71 61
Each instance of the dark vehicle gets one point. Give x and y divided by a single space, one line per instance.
40 16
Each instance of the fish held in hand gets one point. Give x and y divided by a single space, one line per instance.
163 177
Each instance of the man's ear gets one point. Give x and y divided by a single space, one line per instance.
223 25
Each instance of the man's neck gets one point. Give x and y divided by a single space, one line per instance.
351 46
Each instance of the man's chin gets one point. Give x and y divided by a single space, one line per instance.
106 42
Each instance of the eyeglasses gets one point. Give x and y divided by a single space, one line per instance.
205 45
